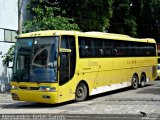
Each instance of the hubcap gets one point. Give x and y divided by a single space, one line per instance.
135 81
142 80
79 92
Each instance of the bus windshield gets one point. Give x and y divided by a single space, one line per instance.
36 60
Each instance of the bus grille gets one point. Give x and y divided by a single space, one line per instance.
29 88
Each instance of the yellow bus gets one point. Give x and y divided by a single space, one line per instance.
56 66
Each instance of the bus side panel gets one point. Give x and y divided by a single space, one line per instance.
141 65
109 78
96 72
121 70
106 74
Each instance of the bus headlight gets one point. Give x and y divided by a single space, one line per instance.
14 87
47 88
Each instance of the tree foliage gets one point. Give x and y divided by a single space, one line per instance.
47 16
137 18
122 21
90 15
84 15
147 17
9 55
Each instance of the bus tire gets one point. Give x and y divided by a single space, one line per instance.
135 81
142 80
81 92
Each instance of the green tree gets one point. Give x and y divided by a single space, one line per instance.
147 20
9 55
122 21
147 17
90 15
156 26
47 16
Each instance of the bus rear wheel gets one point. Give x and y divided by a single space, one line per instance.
143 80
81 92
135 81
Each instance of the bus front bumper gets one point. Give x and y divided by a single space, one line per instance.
34 96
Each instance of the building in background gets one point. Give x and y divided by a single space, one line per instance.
8 32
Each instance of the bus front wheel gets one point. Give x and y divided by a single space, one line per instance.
135 81
81 92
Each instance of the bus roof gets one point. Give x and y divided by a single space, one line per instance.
93 34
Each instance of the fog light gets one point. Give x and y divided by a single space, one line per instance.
47 88
46 97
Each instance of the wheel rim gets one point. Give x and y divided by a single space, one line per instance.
135 82
79 92
143 80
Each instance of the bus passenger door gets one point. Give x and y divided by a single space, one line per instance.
64 77
66 68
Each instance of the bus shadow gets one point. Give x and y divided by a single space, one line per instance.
157 79
30 105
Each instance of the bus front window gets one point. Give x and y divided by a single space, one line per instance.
36 60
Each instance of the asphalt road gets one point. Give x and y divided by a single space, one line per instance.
125 104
